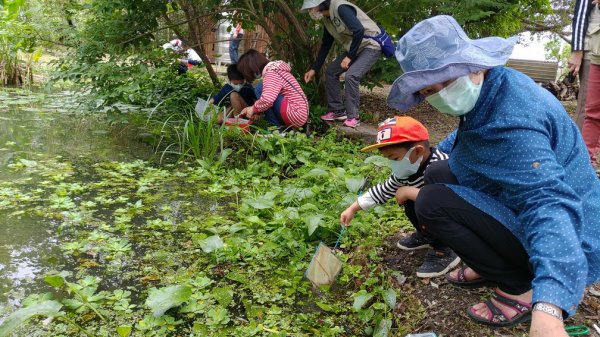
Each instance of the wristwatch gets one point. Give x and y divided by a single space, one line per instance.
550 310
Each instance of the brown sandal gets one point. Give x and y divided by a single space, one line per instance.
462 281
497 317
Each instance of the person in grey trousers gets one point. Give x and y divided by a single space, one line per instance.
351 27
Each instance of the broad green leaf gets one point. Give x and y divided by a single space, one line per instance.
161 300
55 280
383 328
260 203
211 243
379 161
124 330
338 172
312 222
223 295
389 296
19 317
354 184
361 299
365 315
316 172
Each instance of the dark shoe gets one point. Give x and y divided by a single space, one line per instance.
413 241
497 318
462 281
438 262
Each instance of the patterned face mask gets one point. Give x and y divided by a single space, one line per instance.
458 98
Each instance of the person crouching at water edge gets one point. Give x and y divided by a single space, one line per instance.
518 200
279 96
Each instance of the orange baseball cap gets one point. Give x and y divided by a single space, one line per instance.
399 129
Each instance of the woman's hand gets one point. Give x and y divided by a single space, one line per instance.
347 215
346 63
309 75
544 325
575 61
406 193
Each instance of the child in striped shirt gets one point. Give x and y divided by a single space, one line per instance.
279 97
405 142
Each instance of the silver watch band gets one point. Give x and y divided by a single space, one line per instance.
550 310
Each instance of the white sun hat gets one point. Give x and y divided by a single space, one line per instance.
308 4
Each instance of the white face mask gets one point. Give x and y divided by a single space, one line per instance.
403 168
236 87
458 98
315 15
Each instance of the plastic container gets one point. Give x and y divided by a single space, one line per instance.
425 334
241 123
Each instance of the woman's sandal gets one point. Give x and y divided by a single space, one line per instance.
462 281
497 317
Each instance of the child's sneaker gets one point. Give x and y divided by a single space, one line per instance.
413 241
334 116
352 123
438 262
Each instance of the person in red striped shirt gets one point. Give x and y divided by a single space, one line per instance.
280 97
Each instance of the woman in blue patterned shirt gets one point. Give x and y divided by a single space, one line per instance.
518 200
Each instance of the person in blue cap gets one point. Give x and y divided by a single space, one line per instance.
518 200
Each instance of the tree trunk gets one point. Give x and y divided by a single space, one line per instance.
195 21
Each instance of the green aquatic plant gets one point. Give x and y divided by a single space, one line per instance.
238 233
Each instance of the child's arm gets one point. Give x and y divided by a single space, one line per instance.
347 215
405 193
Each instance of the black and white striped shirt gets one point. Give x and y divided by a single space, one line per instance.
381 193
580 23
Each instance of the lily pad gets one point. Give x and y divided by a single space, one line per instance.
161 300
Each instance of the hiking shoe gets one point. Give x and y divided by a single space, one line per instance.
413 241
352 123
438 262
334 116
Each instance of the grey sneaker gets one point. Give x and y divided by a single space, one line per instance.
413 241
438 262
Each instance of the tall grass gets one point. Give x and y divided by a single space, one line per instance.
192 137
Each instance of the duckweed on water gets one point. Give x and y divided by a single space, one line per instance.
193 249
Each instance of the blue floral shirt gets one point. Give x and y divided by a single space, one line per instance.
520 158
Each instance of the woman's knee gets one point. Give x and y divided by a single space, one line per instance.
439 172
428 201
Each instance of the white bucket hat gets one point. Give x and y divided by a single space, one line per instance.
308 4
436 50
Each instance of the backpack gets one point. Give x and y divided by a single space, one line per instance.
385 42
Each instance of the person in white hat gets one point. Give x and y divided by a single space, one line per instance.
518 200
348 25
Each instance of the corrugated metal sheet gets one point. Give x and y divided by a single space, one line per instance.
539 71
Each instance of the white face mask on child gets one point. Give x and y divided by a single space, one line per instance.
403 168
236 87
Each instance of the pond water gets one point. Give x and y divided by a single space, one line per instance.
45 130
